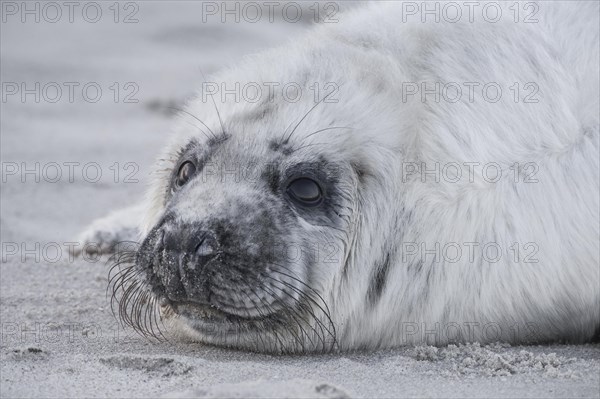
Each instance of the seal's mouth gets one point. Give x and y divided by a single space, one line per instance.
218 326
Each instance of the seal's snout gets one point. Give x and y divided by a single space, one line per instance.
190 240
187 250
231 254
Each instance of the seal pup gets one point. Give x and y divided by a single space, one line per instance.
371 217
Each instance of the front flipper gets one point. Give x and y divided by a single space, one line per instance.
103 234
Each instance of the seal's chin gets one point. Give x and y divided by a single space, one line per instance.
210 325
210 320
207 313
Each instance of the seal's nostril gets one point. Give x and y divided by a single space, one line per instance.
208 246
170 239
189 241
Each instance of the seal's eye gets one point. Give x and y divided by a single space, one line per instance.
186 171
305 191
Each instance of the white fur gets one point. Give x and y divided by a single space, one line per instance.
370 53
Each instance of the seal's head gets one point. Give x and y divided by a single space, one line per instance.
254 213
236 248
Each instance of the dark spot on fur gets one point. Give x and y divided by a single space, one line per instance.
360 171
378 281
418 266
272 176
280 146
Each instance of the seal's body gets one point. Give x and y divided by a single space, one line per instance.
443 189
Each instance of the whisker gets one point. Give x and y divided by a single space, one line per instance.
215 104
131 300
326 129
308 145
287 308
325 311
196 118
287 139
309 310
258 309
